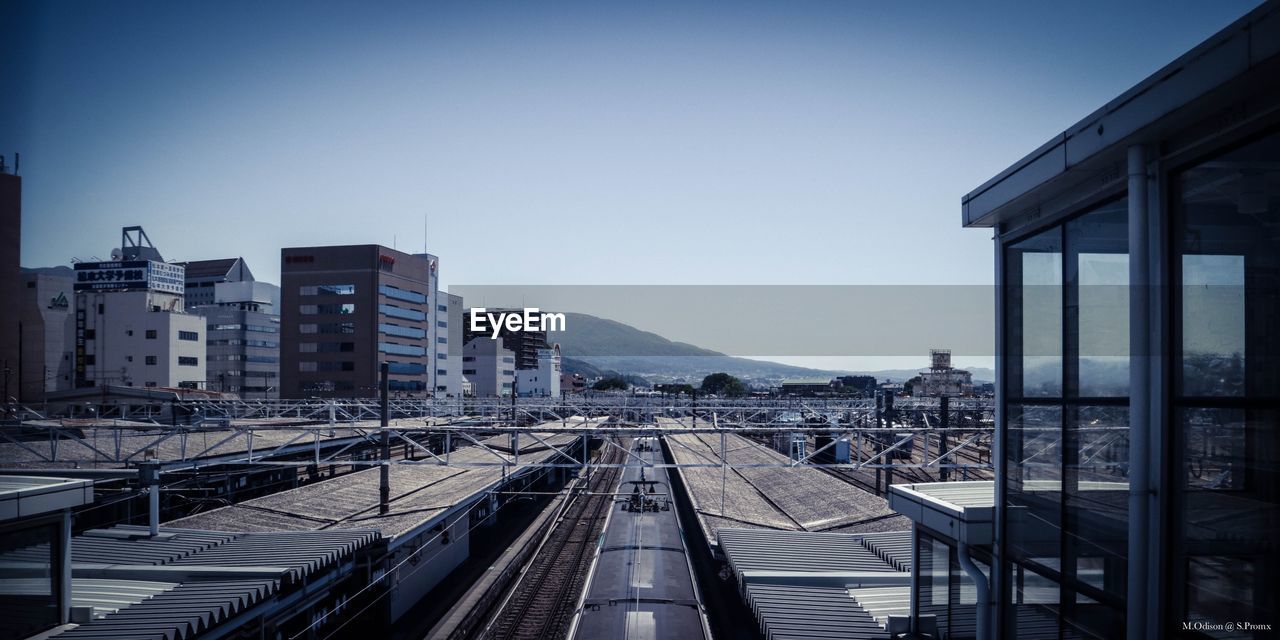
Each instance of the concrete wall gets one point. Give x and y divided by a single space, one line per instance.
489 363
120 320
435 560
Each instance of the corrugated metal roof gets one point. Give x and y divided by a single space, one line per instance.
893 547
103 595
190 609
128 544
220 575
787 612
882 602
300 553
799 551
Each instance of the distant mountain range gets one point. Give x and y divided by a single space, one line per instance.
657 359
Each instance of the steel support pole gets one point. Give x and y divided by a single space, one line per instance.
1139 393
384 478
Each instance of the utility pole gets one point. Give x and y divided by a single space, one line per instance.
945 408
384 479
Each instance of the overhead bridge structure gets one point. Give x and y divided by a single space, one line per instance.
837 434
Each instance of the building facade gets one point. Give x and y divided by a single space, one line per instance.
345 309
130 325
543 381
47 333
454 335
489 367
243 339
1137 451
942 379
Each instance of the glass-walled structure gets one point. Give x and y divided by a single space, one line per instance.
1138 267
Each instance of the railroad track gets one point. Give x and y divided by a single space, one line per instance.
542 602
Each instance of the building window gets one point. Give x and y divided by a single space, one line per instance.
442 324
396 293
192 336
1225 413
442 356
403 332
1066 422
150 334
399 312
442 340
442 308
327 290
188 361
327 309
442 372
406 368
401 349
151 360
468 372
90 359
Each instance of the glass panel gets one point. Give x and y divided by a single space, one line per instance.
1034 482
1227 482
1230 262
1033 613
935 562
1099 290
30 600
1033 282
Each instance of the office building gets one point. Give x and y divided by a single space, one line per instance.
131 328
243 339
489 367
47 332
345 309
1137 447
202 275
10 275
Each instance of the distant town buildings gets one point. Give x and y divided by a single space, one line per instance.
524 344
345 309
572 383
942 379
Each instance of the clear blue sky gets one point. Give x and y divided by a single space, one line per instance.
558 143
